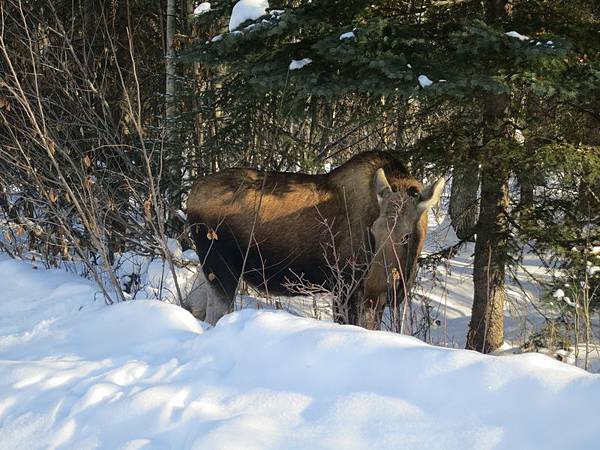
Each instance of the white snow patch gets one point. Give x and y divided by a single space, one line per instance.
559 293
202 8
298 64
517 35
247 10
424 81
190 255
347 35
146 374
217 38
174 248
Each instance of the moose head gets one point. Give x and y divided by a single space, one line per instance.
400 213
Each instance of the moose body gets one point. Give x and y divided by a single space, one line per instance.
366 217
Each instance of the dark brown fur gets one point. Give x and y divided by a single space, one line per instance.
285 215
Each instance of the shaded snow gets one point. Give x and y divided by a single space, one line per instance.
299 64
75 374
347 35
424 81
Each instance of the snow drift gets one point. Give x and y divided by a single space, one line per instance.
145 374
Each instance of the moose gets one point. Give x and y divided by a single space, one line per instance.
368 216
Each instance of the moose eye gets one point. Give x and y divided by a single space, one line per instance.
413 192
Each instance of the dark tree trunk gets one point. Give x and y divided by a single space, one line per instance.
464 205
486 329
526 189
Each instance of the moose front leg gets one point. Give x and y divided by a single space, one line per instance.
371 312
197 299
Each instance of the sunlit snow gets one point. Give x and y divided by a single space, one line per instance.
202 8
247 10
517 35
76 374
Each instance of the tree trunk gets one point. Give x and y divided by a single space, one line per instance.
486 329
464 206
173 156
170 68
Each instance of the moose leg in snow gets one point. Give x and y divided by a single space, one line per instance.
197 298
221 273
205 302
371 312
222 277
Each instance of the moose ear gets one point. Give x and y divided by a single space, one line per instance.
382 187
431 195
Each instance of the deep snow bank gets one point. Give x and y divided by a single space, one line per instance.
145 374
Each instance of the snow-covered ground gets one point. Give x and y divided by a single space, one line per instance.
450 290
77 374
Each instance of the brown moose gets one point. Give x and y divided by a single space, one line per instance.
274 227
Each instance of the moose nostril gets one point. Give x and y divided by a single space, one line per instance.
413 192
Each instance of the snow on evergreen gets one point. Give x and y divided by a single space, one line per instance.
202 8
347 35
247 10
516 35
299 64
424 81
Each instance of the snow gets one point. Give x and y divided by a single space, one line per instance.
593 270
174 248
449 290
247 10
299 64
347 35
424 81
217 38
202 8
76 374
559 293
517 35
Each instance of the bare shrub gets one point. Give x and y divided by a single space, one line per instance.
81 171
